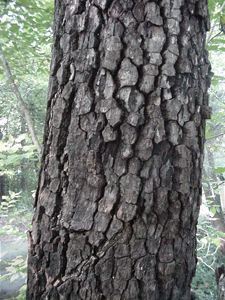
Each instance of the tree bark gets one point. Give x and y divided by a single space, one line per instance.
120 185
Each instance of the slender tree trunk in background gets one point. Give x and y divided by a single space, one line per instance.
2 179
23 166
213 194
2 187
120 185
220 280
21 104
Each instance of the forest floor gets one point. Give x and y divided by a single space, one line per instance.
13 255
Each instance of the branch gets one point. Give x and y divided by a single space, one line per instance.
215 137
23 107
222 7
215 36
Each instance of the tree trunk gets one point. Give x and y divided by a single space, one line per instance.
220 280
120 185
2 187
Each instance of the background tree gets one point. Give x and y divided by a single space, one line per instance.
25 36
120 186
24 75
214 165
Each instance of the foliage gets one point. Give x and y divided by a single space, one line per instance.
209 257
15 222
16 269
25 33
25 36
9 202
216 40
14 150
15 218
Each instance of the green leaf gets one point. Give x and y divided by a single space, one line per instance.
213 210
220 170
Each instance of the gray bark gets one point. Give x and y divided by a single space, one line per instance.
120 185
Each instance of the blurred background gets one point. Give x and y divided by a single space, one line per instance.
25 51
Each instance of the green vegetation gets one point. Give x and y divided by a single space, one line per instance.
25 43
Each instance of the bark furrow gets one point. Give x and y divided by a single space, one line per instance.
120 186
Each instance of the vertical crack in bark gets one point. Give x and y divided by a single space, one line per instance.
119 189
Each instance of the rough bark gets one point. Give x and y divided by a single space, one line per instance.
120 185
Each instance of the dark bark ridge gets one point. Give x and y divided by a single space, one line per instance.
120 186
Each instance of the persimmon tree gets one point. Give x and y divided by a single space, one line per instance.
120 184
